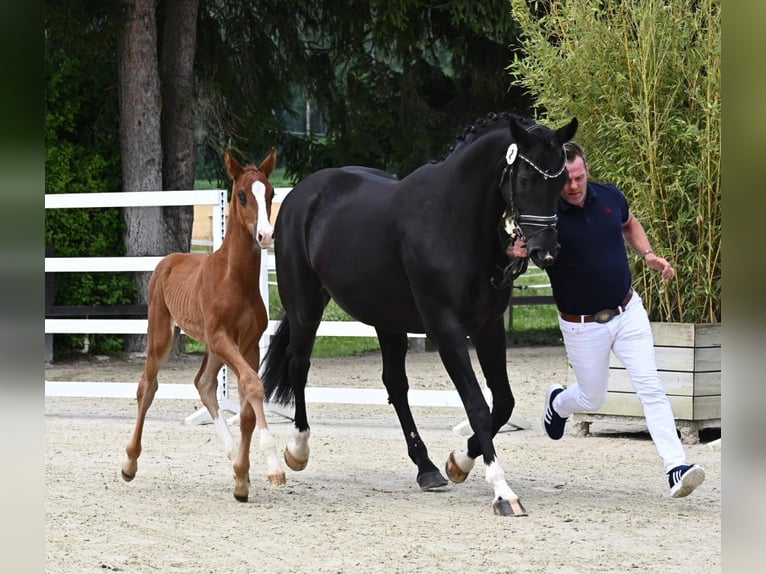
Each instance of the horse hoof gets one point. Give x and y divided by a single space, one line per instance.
432 480
241 497
293 462
453 470
503 507
277 479
128 470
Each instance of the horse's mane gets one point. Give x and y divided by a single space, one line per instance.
480 127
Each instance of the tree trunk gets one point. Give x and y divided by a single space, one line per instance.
177 80
140 143
179 34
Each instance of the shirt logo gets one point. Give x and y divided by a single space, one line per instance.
608 210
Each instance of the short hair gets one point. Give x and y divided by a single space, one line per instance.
572 150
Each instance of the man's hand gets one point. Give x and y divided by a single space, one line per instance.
516 249
660 264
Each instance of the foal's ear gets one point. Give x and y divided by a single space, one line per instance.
267 165
232 165
567 132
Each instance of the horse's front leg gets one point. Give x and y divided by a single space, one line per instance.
251 393
393 347
490 350
454 353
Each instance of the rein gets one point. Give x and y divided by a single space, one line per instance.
515 218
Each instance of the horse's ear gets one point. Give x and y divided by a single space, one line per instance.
567 133
232 165
520 133
267 165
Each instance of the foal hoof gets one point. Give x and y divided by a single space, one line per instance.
293 462
128 470
432 480
503 507
241 497
277 479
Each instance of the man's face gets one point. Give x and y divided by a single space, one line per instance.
576 186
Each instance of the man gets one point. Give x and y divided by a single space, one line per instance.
600 312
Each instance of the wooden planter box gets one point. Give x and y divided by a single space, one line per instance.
689 364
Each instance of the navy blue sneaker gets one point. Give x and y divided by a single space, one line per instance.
684 479
552 422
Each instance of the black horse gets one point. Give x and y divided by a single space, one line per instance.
421 255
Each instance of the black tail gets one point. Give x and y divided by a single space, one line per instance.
276 383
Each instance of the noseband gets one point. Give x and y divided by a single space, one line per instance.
515 218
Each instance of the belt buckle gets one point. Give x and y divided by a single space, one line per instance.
604 316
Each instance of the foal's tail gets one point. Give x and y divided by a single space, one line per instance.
276 383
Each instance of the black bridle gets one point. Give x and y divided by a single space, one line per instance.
513 218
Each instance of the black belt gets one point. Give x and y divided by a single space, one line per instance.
602 316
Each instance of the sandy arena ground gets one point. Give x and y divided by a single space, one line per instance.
596 505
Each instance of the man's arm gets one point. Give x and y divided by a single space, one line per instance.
636 238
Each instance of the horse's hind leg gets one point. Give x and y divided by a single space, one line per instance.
304 302
161 338
206 382
393 348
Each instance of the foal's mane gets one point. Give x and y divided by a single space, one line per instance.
480 127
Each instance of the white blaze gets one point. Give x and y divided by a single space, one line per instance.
264 231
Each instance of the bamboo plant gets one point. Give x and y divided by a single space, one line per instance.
644 79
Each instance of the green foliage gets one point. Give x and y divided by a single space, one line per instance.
394 80
82 155
644 79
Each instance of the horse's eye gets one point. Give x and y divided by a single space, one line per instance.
242 197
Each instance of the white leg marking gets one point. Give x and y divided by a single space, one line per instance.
496 478
464 461
269 450
230 444
299 444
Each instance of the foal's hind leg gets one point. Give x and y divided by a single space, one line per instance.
393 347
161 338
206 382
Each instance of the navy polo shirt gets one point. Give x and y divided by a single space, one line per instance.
591 272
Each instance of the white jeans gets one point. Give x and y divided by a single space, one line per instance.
629 336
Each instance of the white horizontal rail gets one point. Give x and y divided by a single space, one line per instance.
338 395
96 264
97 326
132 199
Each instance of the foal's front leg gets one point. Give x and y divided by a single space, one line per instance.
252 414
